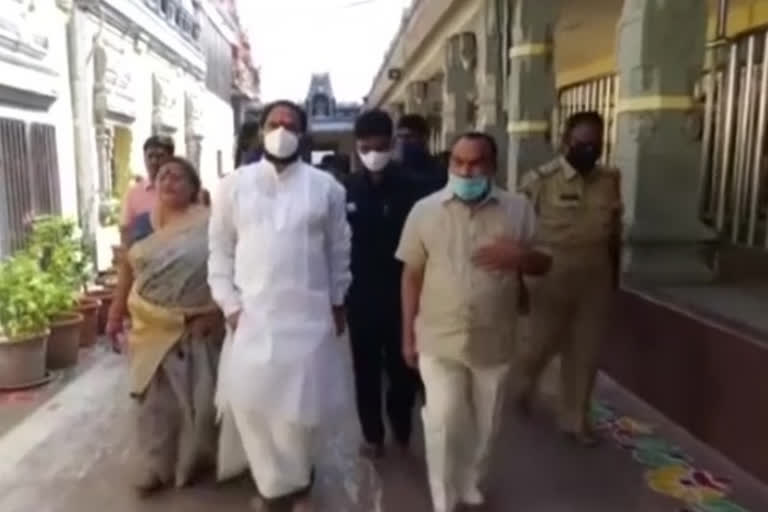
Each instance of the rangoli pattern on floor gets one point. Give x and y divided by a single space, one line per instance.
669 471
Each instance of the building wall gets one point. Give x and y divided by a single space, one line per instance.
34 88
139 81
593 56
218 146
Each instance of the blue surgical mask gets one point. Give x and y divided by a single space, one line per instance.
468 189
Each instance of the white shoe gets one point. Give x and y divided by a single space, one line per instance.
473 497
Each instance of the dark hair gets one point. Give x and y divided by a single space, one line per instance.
287 104
161 142
374 123
247 132
591 117
415 123
189 171
480 136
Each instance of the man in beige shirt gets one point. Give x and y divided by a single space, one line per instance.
464 249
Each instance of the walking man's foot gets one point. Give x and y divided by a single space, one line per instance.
371 450
148 484
584 437
258 504
473 497
303 504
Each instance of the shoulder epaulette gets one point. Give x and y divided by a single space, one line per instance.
549 168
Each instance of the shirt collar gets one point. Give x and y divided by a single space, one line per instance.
568 169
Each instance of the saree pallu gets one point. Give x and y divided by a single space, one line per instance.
172 366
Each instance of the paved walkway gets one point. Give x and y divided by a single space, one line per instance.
73 454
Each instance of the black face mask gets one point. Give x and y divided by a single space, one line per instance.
583 157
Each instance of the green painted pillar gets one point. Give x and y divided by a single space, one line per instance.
459 86
661 47
531 90
490 86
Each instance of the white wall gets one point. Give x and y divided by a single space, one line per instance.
50 21
218 125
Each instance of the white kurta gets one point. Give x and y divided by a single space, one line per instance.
279 254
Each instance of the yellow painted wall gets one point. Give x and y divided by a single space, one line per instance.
744 16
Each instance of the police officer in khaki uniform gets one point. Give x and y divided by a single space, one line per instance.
578 207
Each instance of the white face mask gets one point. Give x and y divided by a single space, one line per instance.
281 143
375 161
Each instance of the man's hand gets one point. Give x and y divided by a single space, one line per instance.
503 254
339 319
233 320
114 330
410 354
202 326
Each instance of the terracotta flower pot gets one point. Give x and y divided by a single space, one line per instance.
104 296
22 361
64 341
89 332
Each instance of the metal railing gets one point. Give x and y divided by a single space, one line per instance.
599 95
734 146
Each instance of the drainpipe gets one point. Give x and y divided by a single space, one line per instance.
86 189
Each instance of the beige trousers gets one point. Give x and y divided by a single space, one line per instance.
570 311
461 418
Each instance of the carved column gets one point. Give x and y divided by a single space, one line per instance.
661 45
531 86
491 81
103 133
459 86
193 133
416 98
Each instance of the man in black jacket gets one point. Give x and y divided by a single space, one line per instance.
412 152
379 199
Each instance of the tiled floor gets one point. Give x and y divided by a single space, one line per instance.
72 454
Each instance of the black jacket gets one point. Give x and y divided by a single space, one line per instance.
377 214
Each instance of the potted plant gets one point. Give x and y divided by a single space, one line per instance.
55 244
23 323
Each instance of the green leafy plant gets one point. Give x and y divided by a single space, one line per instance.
61 251
23 292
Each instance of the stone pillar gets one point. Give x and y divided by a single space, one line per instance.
490 82
531 86
416 98
459 85
103 134
661 46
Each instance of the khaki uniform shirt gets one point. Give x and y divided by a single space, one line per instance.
466 314
579 217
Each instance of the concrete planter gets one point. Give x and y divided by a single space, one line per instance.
89 331
64 341
22 361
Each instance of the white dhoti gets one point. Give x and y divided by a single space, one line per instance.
271 411
461 418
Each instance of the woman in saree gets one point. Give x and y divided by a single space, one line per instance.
176 332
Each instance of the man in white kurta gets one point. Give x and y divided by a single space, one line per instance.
279 270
